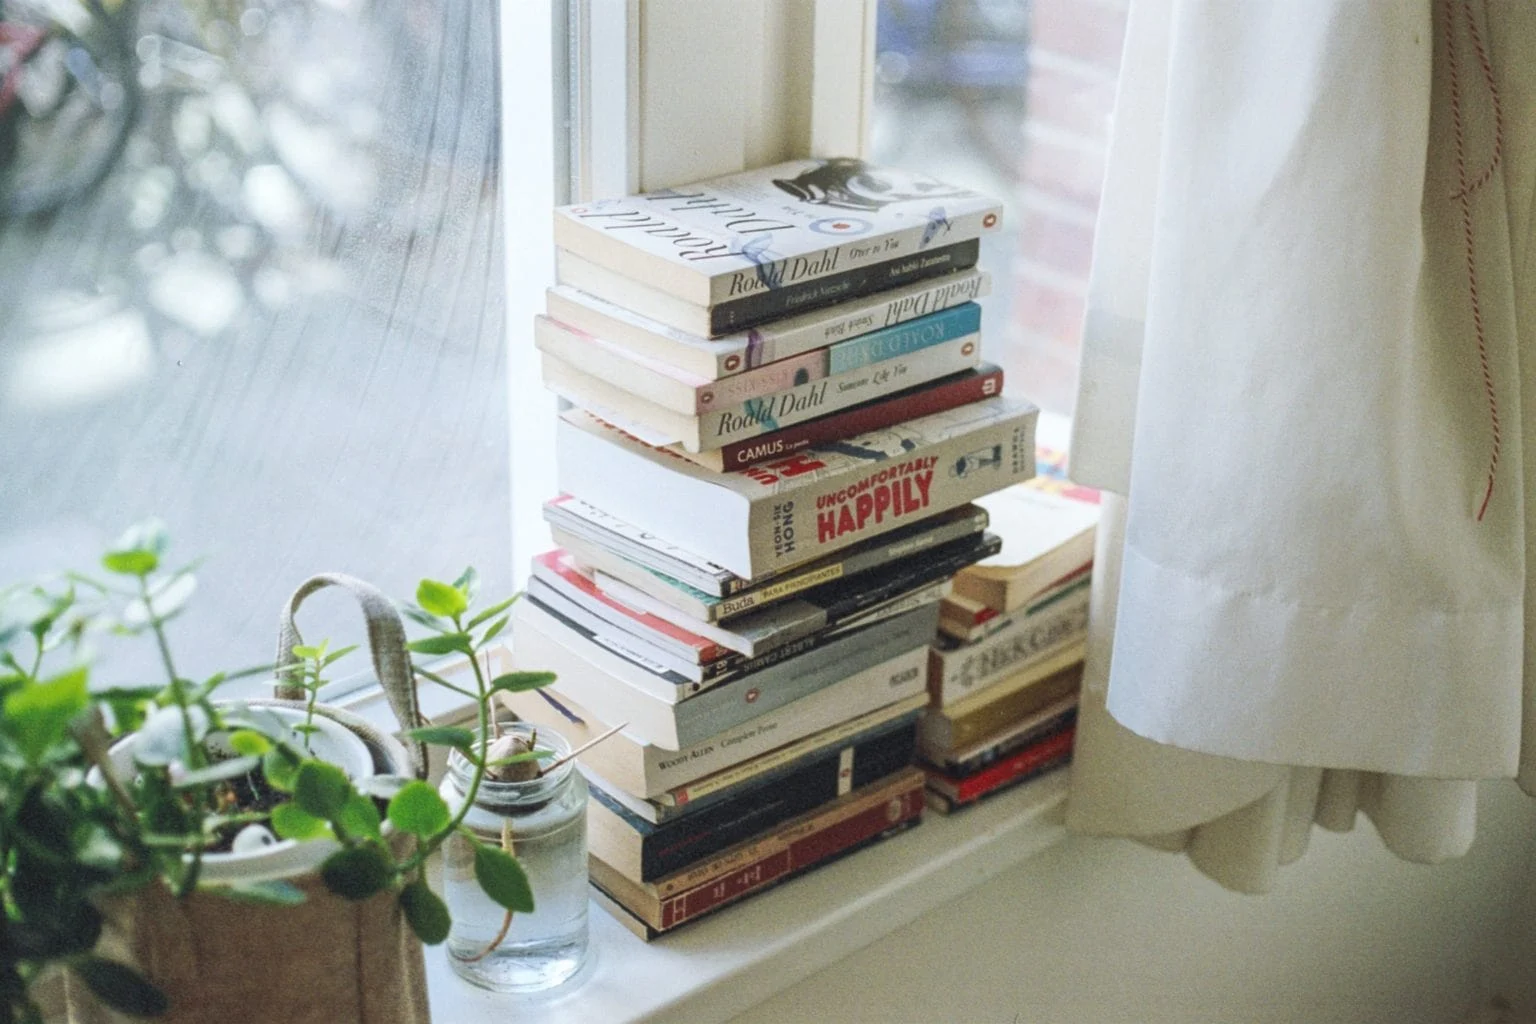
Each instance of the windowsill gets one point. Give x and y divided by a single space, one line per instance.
723 965
727 963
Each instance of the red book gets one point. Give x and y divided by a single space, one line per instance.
995 776
557 569
938 396
811 839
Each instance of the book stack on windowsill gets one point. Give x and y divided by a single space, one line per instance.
1004 673
780 424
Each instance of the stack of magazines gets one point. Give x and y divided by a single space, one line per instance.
779 425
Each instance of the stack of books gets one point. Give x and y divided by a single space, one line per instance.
1004 673
779 424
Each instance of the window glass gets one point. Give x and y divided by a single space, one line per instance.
1011 97
251 258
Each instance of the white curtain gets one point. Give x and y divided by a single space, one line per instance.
1301 390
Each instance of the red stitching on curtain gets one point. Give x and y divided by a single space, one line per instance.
1464 195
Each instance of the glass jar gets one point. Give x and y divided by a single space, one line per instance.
545 821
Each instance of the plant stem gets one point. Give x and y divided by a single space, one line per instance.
482 694
178 692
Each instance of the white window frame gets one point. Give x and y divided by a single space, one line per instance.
616 96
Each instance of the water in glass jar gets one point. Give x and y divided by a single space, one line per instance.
541 949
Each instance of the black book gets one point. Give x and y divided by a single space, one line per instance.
645 851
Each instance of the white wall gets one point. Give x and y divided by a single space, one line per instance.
1102 931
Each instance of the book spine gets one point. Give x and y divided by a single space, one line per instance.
955 674
736 314
901 544
744 698
891 342
674 846
768 275
666 769
798 855
948 393
942 731
772 342
1008 746
610 530
790 525
770 763
1025 762
769 413
559 574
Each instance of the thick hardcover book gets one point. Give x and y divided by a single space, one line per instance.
763 230
799 844
831 604
784 513
939 395
647 770
688 395
998 745
645 851
600 678
1044 755
958 669
782 340
711 592
741 780
1047 526
752 418
1008 702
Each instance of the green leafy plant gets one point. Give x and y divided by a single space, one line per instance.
74 831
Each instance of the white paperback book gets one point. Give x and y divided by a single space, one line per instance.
735 354
772 227
765 414
783 513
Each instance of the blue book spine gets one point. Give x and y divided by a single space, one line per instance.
912 336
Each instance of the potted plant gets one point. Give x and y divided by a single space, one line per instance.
159 843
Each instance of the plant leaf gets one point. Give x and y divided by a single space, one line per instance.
491 612
468 583
425 912
447 643
334 656
517 682
441 599
290 821
276 893
306 651
443 735
495 630
130 563
249 742
281 769
121 987
419 810
359 817
357 872
38 715
503 878
321 789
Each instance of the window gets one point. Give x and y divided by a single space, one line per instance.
276 321
1012 97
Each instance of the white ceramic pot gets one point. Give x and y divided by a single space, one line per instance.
285 858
